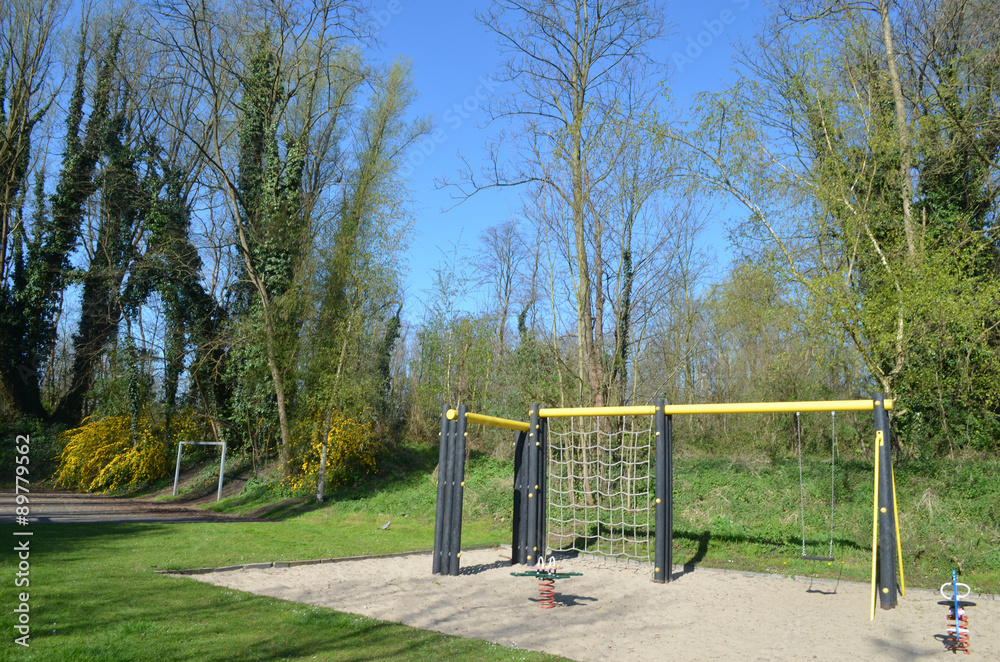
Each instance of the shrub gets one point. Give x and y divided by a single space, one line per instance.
352 452
45 447
107 455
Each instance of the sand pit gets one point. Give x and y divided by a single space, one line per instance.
614 612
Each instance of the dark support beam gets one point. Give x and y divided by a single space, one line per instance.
663 526
519 525
457 488
440 523
886 552
532 541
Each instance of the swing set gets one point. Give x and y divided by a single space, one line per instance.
534 468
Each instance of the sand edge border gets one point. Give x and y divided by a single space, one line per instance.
291 564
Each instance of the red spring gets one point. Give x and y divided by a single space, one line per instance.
546 592
958 634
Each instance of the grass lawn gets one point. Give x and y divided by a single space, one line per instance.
95 594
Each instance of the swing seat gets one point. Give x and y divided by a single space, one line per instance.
829 559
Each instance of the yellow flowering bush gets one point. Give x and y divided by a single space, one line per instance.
351 451
103 456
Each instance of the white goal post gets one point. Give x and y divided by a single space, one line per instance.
222 465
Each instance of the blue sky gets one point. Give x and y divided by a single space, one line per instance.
453 60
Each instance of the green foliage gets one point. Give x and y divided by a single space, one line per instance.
172 266
251 407
125 388
811 142
44 443
356 289
269 182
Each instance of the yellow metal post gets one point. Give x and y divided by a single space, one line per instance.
899 543
878 442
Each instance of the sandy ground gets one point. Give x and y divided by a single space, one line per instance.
615 612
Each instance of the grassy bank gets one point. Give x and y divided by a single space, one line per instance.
739 513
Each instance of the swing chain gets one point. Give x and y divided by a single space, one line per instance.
802 489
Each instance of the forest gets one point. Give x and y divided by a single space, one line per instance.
204 207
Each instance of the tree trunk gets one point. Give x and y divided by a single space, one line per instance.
285 452
906 186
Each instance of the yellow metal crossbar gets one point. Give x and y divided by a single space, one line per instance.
718 408
492 421
566 412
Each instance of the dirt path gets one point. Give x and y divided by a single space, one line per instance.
615 612
49 506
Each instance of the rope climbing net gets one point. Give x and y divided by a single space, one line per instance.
601 477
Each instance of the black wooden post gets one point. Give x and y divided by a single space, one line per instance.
457 490
663 525
533 444
543 481
519 524
886 554
440 524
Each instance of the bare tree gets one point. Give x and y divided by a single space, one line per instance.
500 257
579 68
27 28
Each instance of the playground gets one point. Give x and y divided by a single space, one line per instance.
612 611
601 498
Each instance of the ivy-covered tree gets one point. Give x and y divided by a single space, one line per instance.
31 329
272 232
107 294
29 29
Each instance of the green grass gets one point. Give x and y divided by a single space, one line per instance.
405 487
95 594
